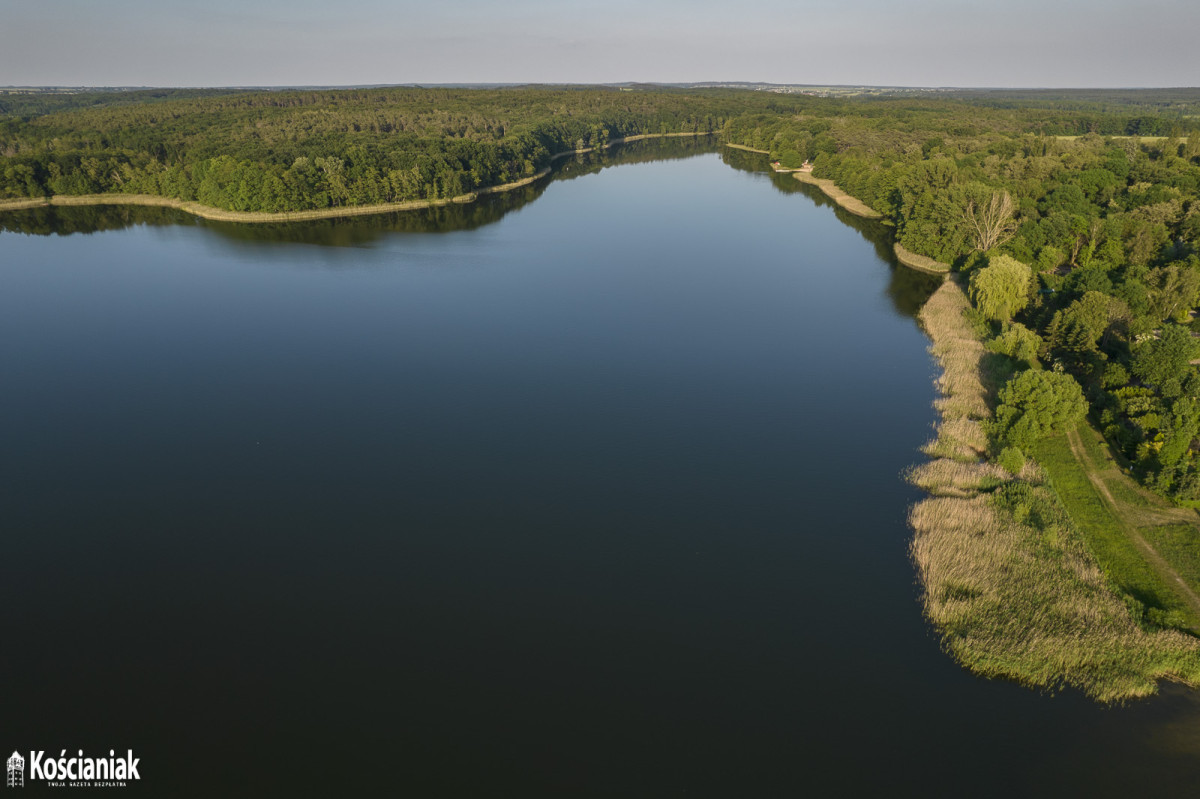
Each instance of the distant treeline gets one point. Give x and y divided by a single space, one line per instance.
291 151
348 230
300 150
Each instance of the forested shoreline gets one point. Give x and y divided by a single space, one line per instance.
1079 260
1083 254
249 217
307 150
303 151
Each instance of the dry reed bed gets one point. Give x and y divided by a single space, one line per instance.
922 263
747 149
1013 599
831 190
963 401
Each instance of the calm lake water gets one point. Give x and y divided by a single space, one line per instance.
590 490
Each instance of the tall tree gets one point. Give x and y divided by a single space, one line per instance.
992 221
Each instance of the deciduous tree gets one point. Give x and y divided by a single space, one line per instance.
1035 404
991 220
1001 288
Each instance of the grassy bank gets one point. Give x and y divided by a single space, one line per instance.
1009 579
851 204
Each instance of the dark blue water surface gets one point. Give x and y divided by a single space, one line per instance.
594 495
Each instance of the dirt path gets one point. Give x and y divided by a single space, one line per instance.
1124 515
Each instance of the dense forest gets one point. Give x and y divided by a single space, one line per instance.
289 151
1077 214
301 150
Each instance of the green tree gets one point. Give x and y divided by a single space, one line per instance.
1035 404
1174 289
1049 257
1001 288
1165 360
1097 315
1182 429
1017 342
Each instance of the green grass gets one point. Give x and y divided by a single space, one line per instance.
1124 491
1143 139
1179 544
1106 536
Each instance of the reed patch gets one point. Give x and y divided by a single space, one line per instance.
1008 580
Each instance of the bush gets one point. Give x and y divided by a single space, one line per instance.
1011 459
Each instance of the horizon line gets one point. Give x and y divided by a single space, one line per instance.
699 84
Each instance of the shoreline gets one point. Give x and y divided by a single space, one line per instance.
259 217
922 263
846 201
1013 599
1008 579
853 205
747 149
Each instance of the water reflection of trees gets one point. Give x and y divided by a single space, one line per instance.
358 230
908 288
55 221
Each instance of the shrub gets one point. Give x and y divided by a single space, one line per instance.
1011 459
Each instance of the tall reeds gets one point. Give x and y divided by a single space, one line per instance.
1007 579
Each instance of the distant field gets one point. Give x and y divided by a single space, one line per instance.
1143 139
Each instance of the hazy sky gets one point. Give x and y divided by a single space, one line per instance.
883 42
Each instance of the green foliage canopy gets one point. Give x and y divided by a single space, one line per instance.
1017 342
1165 361
1035 404
1001 288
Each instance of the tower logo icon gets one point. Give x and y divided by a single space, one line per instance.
16 771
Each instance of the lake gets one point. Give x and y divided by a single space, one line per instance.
593 489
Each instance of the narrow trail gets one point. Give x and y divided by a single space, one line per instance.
1156 561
